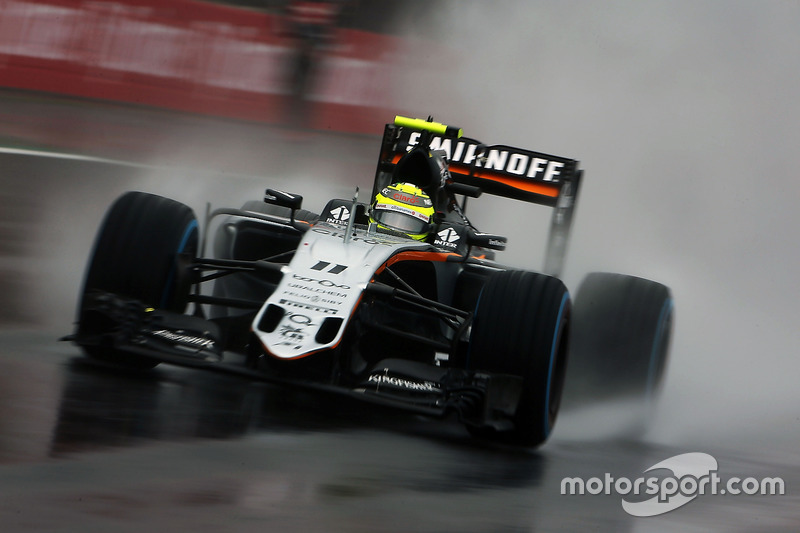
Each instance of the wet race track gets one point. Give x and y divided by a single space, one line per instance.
84 447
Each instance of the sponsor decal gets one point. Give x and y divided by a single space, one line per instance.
318 291
339 215
292 330
309 306
501 159
371 240
410 199
192 340
447 237
385 379
323 282
405 210
312 297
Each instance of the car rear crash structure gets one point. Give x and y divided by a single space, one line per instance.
330 301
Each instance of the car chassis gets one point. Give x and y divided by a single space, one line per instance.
330 302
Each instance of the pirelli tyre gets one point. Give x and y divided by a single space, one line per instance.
621 330
521 327
136 255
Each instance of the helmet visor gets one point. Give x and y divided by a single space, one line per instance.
401 219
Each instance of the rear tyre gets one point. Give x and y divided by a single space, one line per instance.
136 256
521 327
621 331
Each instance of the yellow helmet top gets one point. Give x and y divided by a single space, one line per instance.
404 208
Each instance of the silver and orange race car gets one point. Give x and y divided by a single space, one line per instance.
338 301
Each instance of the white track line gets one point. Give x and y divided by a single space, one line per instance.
90 159
73 157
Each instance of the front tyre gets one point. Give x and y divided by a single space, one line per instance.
521 327
136 256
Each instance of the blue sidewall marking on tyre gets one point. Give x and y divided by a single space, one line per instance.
186 234
666 310
184 241
546 417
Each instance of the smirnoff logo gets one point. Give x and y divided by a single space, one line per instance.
502 159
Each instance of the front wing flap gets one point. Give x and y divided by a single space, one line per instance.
113 322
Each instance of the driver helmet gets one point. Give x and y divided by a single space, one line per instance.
404 208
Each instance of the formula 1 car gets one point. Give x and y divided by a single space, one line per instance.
337 302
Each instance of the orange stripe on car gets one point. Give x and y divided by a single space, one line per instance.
415 255
517 183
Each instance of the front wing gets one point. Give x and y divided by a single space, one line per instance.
479 399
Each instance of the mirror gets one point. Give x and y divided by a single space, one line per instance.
285 199
487 240
463 188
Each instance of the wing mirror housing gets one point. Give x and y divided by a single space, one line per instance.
487 240
463 188
284 199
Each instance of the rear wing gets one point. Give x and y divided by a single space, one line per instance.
499 170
